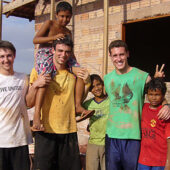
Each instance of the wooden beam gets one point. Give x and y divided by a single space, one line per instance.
9 13
0 19
147 18
52 14
7 2
73 17
105 38
16 4
123 32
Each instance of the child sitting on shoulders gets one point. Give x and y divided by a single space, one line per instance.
155 142
50 31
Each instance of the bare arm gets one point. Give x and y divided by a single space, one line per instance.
87 86
42 80
158 73
148 79
164 113
42 35
167 166
31 94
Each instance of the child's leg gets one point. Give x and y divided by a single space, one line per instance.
92 157
79 95
44 63
80 86
37 126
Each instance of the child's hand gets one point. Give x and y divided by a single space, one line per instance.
159 73
59 36
37 126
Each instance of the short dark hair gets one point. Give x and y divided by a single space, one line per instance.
118 43
7 45
156 83
63 6
95 77
66 41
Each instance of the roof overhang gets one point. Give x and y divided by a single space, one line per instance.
20 8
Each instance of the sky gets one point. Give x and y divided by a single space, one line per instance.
20 32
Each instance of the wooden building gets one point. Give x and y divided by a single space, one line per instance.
143 24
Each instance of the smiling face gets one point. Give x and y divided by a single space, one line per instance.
119 57
62 54
63 17
6 61
97 88
155 97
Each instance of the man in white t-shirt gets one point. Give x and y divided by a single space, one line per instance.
15 132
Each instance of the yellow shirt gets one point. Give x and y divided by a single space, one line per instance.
58 110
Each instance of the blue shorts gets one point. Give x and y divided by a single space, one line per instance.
145 167
121 154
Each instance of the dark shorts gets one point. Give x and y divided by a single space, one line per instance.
56 152
121 154
16 158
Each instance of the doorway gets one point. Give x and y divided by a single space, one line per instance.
149 44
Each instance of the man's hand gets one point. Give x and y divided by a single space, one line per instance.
164 113
42 80
159 73
84 74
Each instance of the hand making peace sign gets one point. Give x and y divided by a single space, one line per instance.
159 73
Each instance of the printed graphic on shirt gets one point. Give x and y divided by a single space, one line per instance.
148 133
10 88
98 115
153 123
122 96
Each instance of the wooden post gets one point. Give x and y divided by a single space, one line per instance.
105 38
73 20
52 13
1 19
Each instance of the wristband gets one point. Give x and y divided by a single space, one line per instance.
167 105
